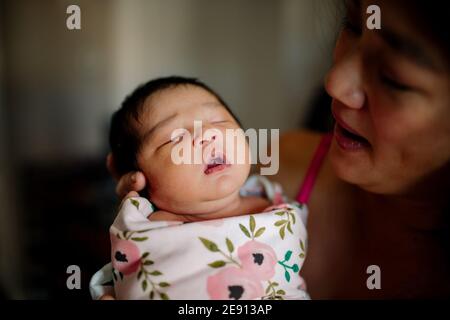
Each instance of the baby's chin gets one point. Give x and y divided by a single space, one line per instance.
222 185
207 197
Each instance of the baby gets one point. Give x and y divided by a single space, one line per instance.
201 230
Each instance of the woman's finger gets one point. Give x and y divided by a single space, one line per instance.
133 181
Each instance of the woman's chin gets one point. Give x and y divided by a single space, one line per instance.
349 167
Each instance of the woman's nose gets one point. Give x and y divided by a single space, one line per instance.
344 81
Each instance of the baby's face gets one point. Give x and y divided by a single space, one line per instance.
203 186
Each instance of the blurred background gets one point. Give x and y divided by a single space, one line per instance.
59 87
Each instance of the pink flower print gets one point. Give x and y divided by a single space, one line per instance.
125 255
234 283
259 259
302 285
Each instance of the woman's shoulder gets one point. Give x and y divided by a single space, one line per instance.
296 150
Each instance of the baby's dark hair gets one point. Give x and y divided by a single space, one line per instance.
124 138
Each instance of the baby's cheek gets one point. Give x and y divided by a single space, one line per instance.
237 150
174 181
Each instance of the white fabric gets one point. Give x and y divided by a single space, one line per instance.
241 257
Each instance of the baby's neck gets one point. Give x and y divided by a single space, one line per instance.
235 206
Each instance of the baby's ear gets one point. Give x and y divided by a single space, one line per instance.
110 165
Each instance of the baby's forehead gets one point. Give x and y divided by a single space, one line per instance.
173 107
180 100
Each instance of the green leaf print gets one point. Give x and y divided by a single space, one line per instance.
295 268
288 255
260 231
272 293
287 276
229 245
164 284
282 232
285 223
289 227
139 239
217 264
211 246
302 246
292 217
146 276
280 223
245 231
252 224
135 203
144 285
164 296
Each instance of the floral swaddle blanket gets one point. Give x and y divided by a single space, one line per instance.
255 256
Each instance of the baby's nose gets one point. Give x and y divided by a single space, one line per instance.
208 137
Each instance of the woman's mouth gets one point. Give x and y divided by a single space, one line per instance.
215 164
349 140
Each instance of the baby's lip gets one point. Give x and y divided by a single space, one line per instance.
215 163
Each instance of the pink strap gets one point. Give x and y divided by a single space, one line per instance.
314 168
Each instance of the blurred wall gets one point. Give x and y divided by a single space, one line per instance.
58 80
264 57
10 245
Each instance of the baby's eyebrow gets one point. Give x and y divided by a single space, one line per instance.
212 104
149 133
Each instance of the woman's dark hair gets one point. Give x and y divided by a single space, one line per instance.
431 17
124 137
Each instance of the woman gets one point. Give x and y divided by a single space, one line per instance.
381 197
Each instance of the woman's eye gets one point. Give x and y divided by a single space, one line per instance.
391 83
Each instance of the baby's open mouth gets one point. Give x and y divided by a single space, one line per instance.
216 163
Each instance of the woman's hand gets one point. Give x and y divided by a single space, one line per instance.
129 184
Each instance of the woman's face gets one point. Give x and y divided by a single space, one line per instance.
391 101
